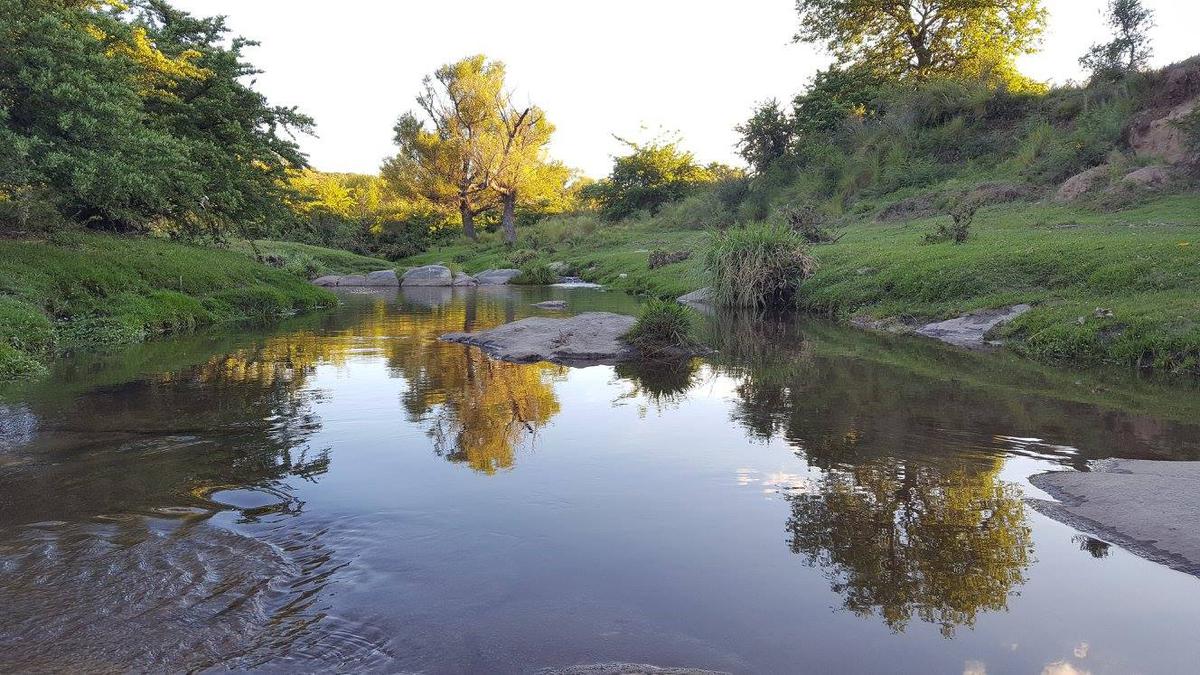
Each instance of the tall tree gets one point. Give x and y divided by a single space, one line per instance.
447 163
521 170
923 38
1129 50
766 136
653 174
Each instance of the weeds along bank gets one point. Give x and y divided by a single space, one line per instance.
81 290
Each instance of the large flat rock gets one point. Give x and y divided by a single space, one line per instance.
1151 508
971 329
591 337
428 275
496 277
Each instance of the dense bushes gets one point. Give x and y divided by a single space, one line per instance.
758 266
535 274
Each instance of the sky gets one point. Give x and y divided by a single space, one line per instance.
632 68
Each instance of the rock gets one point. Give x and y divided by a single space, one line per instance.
1148 177
1082 183
969 330
464 279
591 337
352 280
702 296
865 271
559 267
383 278
428 275
327 281
625 669
1150 507
496 277
551 304
1158 134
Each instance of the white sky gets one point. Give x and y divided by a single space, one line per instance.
598 68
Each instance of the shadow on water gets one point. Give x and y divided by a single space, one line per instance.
153 498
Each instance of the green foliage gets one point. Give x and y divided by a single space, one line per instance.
1129 50
701 211
136 118
663 328
765 137
104 289
535 274
835 95
959 227
758 266
652 175
956 38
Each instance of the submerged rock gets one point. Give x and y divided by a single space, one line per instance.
551 304
1150 507
969 330
428 275
327 281
591 337
496 277
626 669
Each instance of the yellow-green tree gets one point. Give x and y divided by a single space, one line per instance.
521 172
447 163
924 38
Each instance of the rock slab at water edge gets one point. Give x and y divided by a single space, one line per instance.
496 277
969 330
378 279
591 337
428 275
1150 507
701 296
464 279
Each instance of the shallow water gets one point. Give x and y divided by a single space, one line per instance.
345 492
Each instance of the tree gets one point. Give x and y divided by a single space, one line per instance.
651 175
1129 51
121 116
923 38
447 164
521 169
766 136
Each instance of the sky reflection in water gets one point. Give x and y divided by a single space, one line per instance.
345 491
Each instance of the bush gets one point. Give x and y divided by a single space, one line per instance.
664 327
702 211
659 258
960 224
758 266
535 274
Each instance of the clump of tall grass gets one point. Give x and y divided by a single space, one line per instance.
535 274
664 328
758 266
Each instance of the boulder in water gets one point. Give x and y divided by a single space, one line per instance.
591 337
496 277
428 275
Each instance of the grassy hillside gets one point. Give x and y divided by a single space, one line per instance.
1141 264
82 289
313 261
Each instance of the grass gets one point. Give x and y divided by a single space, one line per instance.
535 274
758 266
664 328
82 290
313 261
1142 264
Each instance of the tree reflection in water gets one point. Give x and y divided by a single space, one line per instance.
903 523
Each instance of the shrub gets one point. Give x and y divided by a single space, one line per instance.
959 227
664 327
758 266
809 223
701 211
535 274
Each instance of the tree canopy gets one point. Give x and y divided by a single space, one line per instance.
128 116
1129 50
652 174
924 38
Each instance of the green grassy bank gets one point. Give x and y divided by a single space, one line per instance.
1119 287
82 290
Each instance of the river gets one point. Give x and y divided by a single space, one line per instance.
345 492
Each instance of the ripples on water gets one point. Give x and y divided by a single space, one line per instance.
347 493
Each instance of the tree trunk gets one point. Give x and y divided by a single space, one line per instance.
509 221
468 218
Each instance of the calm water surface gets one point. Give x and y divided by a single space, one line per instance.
345 492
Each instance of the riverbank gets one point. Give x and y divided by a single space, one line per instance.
1107 287
1149 507
82 290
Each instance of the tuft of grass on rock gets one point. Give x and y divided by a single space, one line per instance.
664 328
758 266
